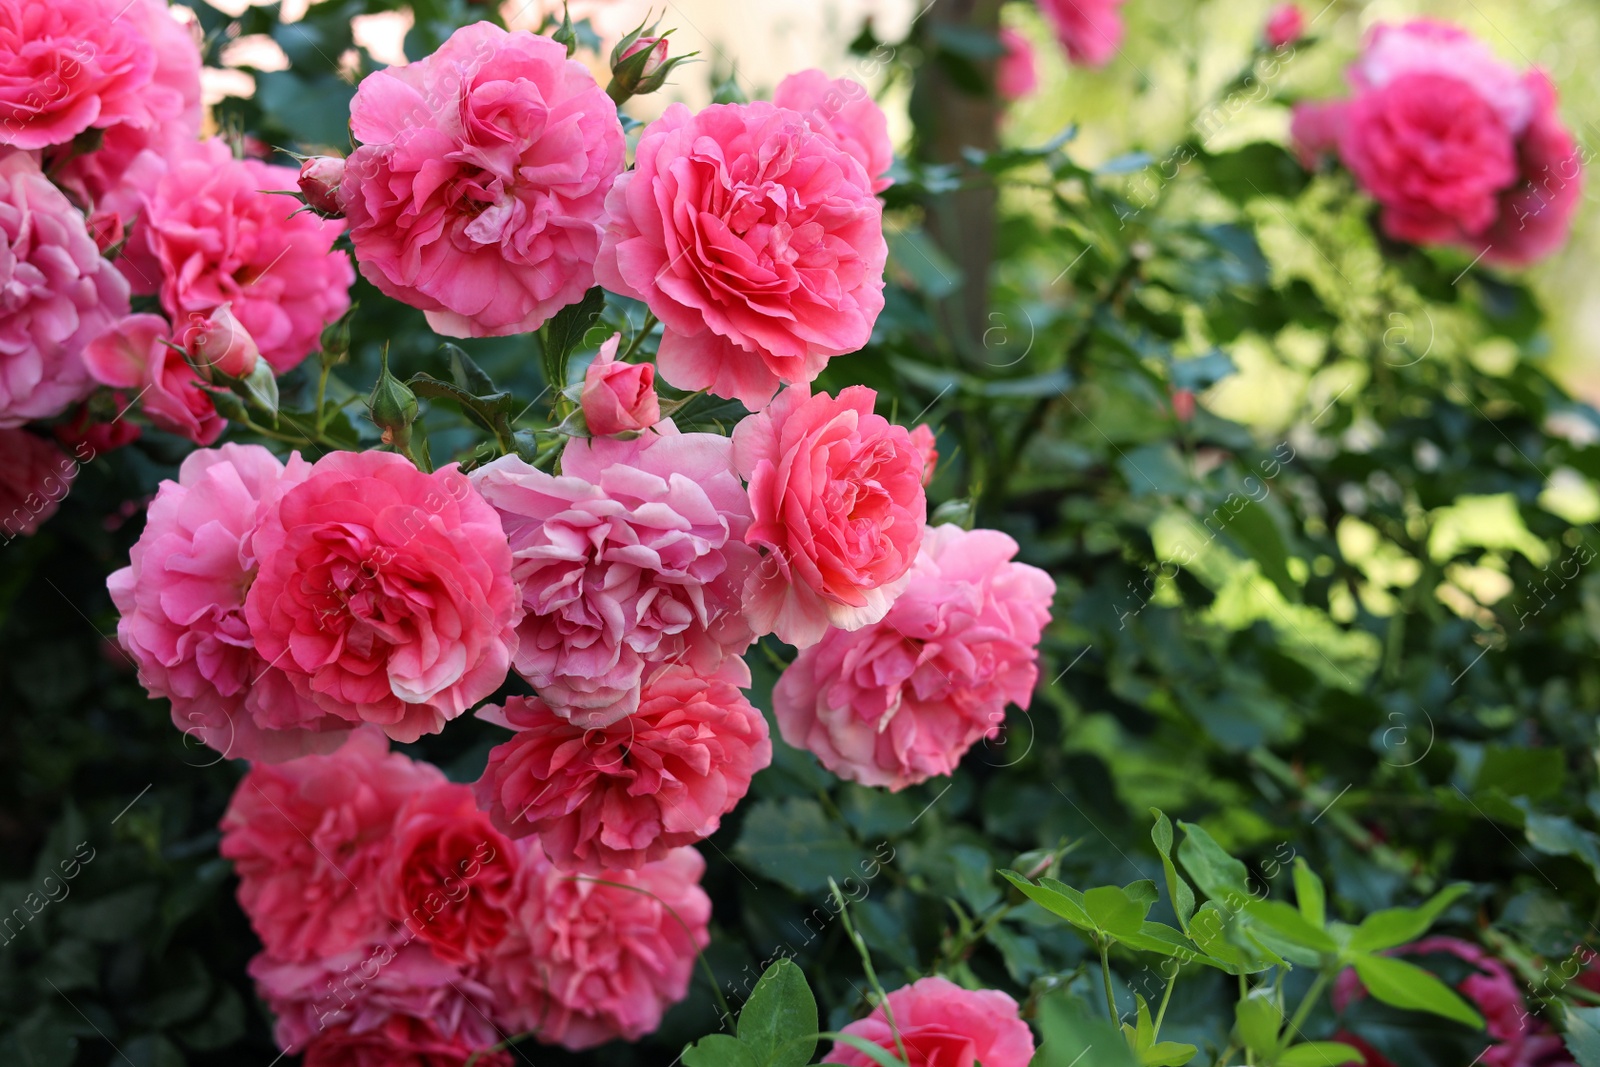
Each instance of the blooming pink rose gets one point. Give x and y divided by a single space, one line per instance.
942 1025
320 178
843 110
619 397
1090 31
1428 46
754 239
222 234
136 354
182 602
70 66
634 556
624 795
385 594
925 441
58 294
35 476
381 1003
217 341
588 962
309 839
1286 24
836 495
1536 213
449 874
1015 75
478 189
898 702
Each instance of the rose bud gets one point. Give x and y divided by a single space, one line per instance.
1285 25
1183 404
639 64
319 184
218 341
619 397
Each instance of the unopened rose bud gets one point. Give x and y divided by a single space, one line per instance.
319 184
394 408
619 397
1285 25
656 46
640 64
219 342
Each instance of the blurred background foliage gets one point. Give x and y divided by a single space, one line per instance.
1320 511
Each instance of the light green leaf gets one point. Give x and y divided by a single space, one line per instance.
1257 1020
1220 875
1113 911
1309 894
1319 1054
1052 900
1405 985
1397 926
1289 924
1182 896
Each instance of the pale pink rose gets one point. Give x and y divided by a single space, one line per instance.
74 65
449 874
924 440
376 1003
222 233
1090 31
182 603
35 477
843 110
1286 24
634 556
1536 213
898 702
309 839
1015 74
624 795
135 354
1428 46
56 294
754 239
479 187
838 506
320 178
218 342
589 962
940 1025
619 397
385 594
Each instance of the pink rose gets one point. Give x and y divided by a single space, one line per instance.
449 874
88 434
478 189
35 476
842 110
59 293
1536 213
898 702
588 962
1315 127
941 1024
182 603
1427 46
1090 31
624 795
136 354
217 341
222 234
754 239
309 839
398 1041
1015 75
385 594
619 397
1286 24
92 64
320 178
925 441
836 495
634 556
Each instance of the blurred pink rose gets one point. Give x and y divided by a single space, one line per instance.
217 341
309 839
73 65
478 189
623 795
35 477
88 434
222 234
136 354
898 702
182 603
1015 75
941 1024
1090 31
1536 213
842 110
449 874
836 495
924 440
619 397
634 556
399 1041
59 294
755 240
587 962
1286 24
320 178
385 594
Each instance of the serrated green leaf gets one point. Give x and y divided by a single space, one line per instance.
1404 985
564 333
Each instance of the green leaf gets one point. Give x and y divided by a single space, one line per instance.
1404 985
1113 911
491 411
876 1053
1309 894
1068 906
1582 1031
794 843
718 1050
1397 926
1522 772
1072 1037
564 333
41 1040
1167 1054
1319 1054
778 1024
1289 924
1253 530
1257 1020
1159 937
1218 874
1253 171
1557 835
1182 896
